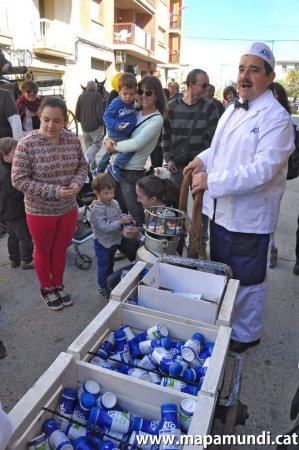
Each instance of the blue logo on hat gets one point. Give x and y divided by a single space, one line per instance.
265 53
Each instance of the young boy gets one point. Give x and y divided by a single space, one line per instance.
106 220
12 210
120 120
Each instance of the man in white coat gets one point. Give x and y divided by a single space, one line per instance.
245 174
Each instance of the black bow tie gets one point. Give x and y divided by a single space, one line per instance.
243 105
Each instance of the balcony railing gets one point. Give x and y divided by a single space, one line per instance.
174 57
175 23
129 33
54 37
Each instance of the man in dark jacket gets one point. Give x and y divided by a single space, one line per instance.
89 112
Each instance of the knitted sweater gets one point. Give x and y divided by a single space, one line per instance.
40 168
104 222
180 120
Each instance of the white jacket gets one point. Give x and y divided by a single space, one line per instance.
247 165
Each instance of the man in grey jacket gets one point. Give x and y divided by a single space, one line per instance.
89 112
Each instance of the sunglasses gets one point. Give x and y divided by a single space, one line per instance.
31 92
147 93
203 86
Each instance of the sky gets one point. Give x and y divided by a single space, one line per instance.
215 33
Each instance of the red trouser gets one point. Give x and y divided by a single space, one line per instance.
51 236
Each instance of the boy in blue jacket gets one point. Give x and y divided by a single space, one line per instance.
120 121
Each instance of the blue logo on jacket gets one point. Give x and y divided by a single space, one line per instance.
255 130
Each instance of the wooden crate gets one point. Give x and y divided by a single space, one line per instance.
141 399
116 314
128 287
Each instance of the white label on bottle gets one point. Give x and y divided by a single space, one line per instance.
170 430
120 421
58 440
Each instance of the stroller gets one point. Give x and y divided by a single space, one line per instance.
84 231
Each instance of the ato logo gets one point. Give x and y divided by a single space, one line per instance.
266 53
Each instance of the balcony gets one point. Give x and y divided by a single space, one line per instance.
141 6
175 24
127 36
54 38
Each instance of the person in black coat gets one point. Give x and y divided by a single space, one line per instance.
12 210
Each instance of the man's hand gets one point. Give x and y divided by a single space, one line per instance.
199 182
195 165
172 167
109 145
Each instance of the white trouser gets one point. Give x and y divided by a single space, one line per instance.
248 316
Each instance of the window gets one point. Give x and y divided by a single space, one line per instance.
161 36
284 68
96 11
97 64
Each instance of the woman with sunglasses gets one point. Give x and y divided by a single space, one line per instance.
28 105
142 142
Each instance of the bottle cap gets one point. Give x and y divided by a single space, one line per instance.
198 337
188 354
188 405
166 342
88 400
119 334
189 375
163 330
82 443
92 387
107 400
168 408
175 369
70 393
49 426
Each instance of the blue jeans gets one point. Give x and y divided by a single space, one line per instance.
105 257
119 161
105 262
128 187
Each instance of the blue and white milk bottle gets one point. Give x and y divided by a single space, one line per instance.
187 409
57 438
66 406
130 336
134 372
120 421
192 347
107 346
83 407
169 427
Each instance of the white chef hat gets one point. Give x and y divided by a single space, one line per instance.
262 50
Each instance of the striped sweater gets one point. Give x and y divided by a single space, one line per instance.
180 121
40 168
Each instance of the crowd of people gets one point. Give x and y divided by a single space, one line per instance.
43 168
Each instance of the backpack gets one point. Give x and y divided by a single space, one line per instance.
293 163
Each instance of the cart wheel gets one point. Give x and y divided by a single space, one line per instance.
83 261
72 123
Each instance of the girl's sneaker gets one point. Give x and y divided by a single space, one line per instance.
64 296
51 300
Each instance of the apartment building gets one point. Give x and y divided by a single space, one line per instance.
79 40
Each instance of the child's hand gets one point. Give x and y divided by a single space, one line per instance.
122 126
126 219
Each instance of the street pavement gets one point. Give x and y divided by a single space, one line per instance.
34 336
